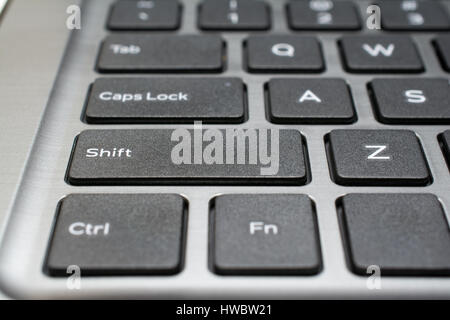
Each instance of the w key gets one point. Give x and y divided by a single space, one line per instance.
377 157
161 53
380 54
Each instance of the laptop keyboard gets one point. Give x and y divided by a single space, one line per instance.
358 119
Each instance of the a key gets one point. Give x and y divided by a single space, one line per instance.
234 15
264 234
283 54
401 234
311 101
145 15
380 54
161 53
445 143
112 234
411 100
377 157
130 100
442 45
413 15
190 157
323 15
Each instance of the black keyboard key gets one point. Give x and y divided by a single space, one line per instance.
161 53
442 44
145 15
234 15
411 100
413 15
129 100
445 144
377 157
402 234
380 54
284 54
112 234
323 15
182 156
264 234
313 101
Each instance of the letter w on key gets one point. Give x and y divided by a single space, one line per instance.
375 51
375 155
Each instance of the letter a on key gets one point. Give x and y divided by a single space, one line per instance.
375 51
309 95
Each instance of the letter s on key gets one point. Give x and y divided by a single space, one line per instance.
415 96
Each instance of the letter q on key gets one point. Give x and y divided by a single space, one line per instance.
283 50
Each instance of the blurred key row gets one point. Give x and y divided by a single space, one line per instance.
254 234
235 15
247 156
131 52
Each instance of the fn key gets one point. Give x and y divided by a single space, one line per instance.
111 234
264 234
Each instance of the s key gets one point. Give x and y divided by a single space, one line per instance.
411 100
377 157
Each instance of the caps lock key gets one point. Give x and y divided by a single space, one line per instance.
166 100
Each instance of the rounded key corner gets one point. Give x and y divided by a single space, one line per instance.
54 271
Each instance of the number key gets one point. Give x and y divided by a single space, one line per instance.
322 15
145 15
234 15
413 15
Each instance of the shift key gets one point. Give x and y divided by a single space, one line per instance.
166 100
188 156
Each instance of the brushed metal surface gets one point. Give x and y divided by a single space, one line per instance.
25 242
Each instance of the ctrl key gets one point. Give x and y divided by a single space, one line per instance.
118 234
